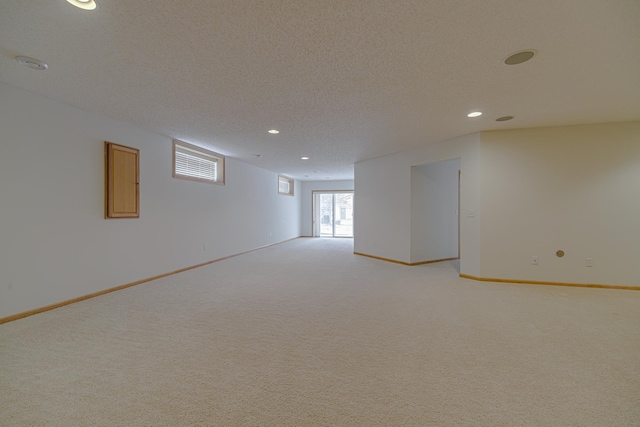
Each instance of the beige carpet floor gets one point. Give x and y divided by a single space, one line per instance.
305 333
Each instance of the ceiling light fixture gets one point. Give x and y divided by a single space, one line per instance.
475 114
36 64
304 158
520 56
504 119
84 4
274 132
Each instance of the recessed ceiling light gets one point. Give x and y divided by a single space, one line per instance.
257 155
274 132
304 158
474 114
504 119
328 177
519 57
306 176
36 64
84 4
316 172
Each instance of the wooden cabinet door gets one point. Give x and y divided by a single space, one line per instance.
122 181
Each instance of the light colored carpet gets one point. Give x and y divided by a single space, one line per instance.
306 333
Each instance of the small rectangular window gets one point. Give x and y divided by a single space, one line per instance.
197 164
285 185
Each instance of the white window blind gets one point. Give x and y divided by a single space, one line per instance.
191 162
285 185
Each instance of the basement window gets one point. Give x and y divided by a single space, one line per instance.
197 164
285 185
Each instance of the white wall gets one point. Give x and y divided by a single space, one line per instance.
308 187
524 193
54 241
382 224
574 188
434 211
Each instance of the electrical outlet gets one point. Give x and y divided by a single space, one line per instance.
534 260
588 262
204 247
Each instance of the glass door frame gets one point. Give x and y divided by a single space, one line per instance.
315 227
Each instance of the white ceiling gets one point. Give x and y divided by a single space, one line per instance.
343 80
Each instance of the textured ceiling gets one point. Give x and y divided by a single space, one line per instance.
343 80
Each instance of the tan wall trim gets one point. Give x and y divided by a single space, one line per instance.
402 262
127 285
383 259
493 279
537 282
434 260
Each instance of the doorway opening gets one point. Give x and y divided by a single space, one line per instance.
332 213
435 211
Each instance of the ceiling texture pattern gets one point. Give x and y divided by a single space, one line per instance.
342 80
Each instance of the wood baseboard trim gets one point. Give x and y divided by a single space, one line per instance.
432 261
381 258
538 282
402 262
126 285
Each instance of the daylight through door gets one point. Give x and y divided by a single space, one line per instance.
333 213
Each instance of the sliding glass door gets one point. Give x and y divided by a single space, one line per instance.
333 213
